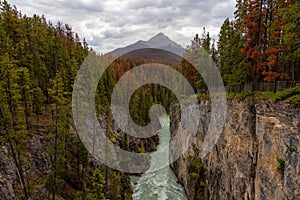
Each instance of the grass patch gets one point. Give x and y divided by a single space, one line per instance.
263 95
291 96
286 94
243 95
294 100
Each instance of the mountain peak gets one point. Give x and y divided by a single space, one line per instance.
159 36
160 41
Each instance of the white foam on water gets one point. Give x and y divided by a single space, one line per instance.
161 184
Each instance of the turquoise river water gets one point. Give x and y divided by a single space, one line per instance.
158 184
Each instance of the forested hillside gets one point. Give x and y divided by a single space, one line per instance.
264 39
38 65
260 45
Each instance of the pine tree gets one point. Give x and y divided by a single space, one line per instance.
60 109
15 119
291 37
99 184
37 104
230 42
26 93
255 41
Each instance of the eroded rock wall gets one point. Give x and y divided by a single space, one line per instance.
244 163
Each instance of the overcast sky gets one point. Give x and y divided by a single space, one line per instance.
110 24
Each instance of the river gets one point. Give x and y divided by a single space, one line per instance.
158 184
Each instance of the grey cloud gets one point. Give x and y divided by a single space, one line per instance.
141 4
95 41
107 24
95 7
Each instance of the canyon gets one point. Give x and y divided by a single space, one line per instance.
256 157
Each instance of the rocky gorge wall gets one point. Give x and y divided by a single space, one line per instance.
245 163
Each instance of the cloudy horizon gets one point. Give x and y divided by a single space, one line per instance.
110 24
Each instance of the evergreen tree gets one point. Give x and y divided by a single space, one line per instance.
60 109
99 184
290 46
230 42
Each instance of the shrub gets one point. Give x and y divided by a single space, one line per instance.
281 164
193 175
243 95
252 171
294 100
285 94
263 95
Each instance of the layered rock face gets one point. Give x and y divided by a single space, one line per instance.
256 157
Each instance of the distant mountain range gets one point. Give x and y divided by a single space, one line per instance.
159 41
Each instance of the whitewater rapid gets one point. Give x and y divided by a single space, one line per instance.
158 184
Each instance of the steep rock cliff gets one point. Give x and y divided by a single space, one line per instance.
245 163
